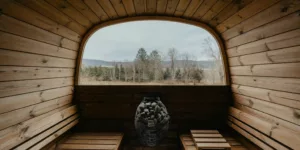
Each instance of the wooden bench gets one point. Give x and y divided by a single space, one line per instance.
209 139
103 141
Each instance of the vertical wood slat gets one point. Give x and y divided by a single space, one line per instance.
228 11
161 6
181 7
97 9
171 7
108 8
119 7
129 7
139 6
204 7
18 11
215 9
69 10
84 9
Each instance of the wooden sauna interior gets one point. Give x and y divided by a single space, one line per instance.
41 43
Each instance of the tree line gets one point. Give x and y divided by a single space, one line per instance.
148 68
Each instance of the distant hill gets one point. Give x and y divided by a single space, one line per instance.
93 62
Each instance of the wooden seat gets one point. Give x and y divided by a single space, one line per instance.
103 141
209 139
187 142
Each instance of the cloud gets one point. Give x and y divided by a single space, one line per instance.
122 41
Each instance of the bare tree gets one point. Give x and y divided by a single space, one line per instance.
172 53
213 52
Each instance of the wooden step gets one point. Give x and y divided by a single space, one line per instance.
209 139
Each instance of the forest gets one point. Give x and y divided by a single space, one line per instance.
155 68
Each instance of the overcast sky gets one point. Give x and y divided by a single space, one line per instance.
121 42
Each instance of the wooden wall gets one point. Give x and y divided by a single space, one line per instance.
263 48
37 61
39 44
112 108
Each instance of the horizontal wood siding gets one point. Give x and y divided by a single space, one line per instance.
263 49
38 52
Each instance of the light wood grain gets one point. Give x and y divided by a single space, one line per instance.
19 101
84 9
97 9
10 88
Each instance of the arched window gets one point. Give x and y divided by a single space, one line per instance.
152 52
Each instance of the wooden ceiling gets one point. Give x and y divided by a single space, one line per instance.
80 15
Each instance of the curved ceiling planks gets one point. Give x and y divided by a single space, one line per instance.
40 41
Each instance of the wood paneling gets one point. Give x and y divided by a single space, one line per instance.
39 47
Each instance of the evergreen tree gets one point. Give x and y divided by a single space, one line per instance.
178 75
167 74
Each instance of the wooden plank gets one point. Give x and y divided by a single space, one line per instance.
95 142
257 134
17 134
281 9
161 6
291 70
97 9
150 6
108 8
282 25
52 13
69 10
284 55
195 135
139 6
269 118
13 58
14 26
250 137
119 7
280 111
215 9
54 136
86 146
13 42
204 7
181 7
209 140
192 8
283 98
283 135
228 11
84 9
16 116
171 7
212 145
96 137
284 40
18 87
280 84
187 138
18 11
205 131
19 101
253 8
129 7
46 134
9 73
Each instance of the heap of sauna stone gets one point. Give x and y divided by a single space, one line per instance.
151 121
